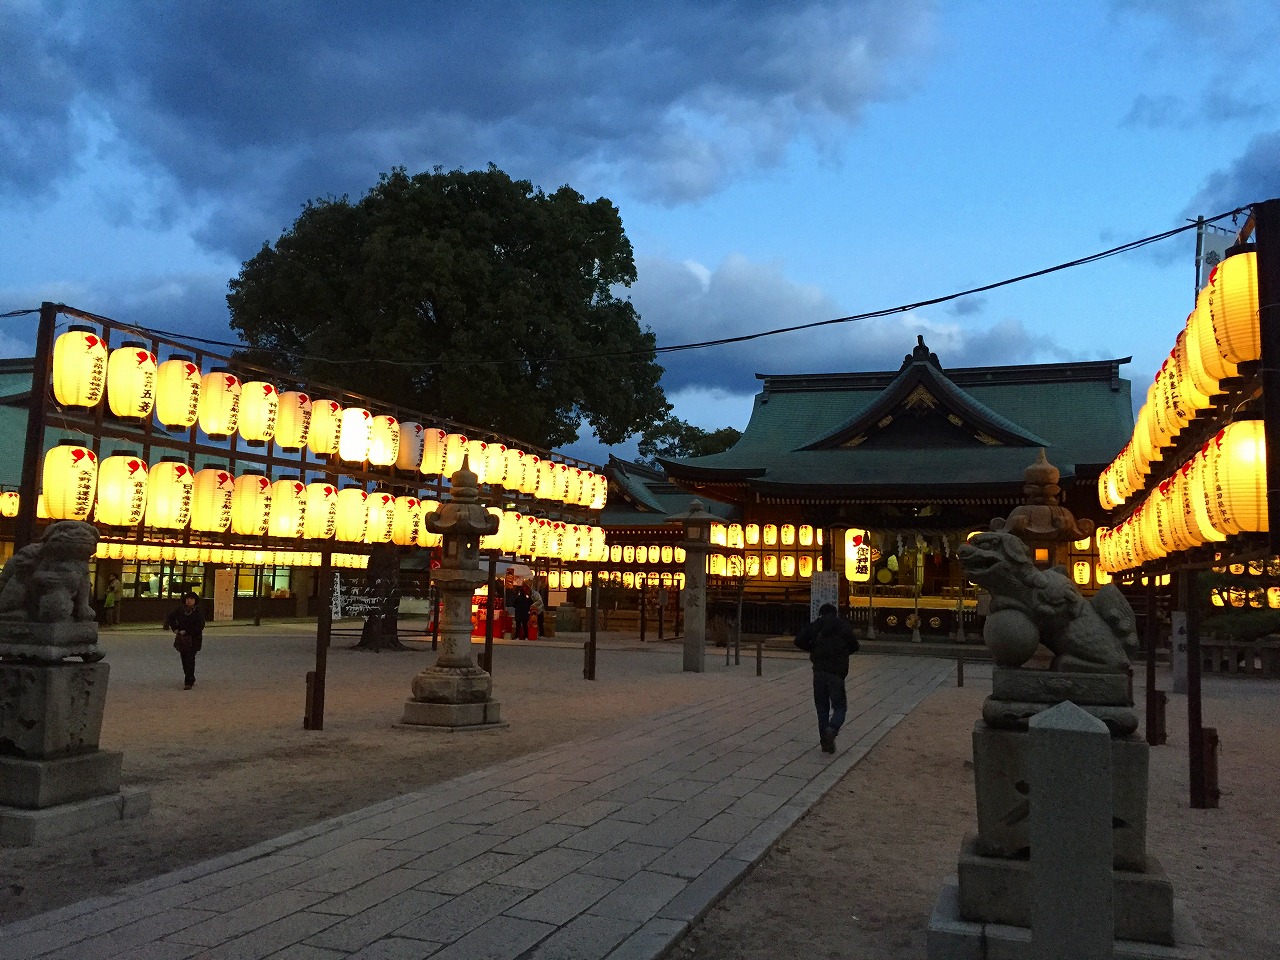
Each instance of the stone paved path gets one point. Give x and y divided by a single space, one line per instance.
606 848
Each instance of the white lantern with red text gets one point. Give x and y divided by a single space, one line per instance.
9 503
219 408
293 420
532 474
251 504
384 440
211 500
70 479
79 367
513 468
259 409
352 514
288 508
477 461
412 437
1233 307
326 427
122 489
169 492
178 391
1237 479
433 452
353 442
131 380
320 518
380 511
426 538
455 449
408 522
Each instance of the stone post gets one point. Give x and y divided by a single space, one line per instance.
1072 913
695 607
454 692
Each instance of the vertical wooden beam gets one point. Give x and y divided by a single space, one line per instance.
1266 216
37 407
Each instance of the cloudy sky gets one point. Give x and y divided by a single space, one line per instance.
774 163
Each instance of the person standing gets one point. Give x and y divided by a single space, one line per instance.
521 603
537 609
111 602
829 641
187 624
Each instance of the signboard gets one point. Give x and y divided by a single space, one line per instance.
1178 619
1211 246
224 593
354 596
823 588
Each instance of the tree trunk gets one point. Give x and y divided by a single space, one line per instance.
380 631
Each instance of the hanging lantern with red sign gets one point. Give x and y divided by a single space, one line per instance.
288 508
513 468
219 410
259 406
353 440
169 492
131 380
178 391
211 500
433 448
408 521
79 367
326 427
70 480
409 456
293 420
353 516
384 440
122 489
321 515
495 463
9 503
251 504
455 449
380 510
425 537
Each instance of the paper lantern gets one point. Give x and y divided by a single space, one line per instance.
805 566
433 452
352 514
412 436
1209 366
788 566
288 508
293 420
1233 307
857 556
560 486
532 474
169 492
425 537
251 504
493 541
680 554
770 534
770 565
353 441
408 521
320 517
69 481
455 449
495 463
259 408
384 440
601 494
380 513
211 500
326 427
219 408
752 533
122 489
9 503
512 468
1237 479
178 391
477 459
509 531
546 486
79 367
131 380
573 485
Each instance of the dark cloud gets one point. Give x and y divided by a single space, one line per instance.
251 108
1253 176
1217 107
685 302
967 306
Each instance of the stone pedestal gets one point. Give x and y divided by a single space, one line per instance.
1018 695
54 781
49 642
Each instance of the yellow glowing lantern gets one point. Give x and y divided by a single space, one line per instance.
716 564
69 478
770 565
9 503
408 521
495 463
1233 307
667 554
455 450
601 495
211 500
178 391
169 492
259 409
806 535
122 489
532 472
384 440
287 517
412 435
353 516
513 468
251 504
326 427
788 534
1237 478
806 567
425 537
546 480
788 565
380 513
320 516
770 534
493 541
477 459
131 380
578 579
219 407
629 553
293 420
553 580
1208 365
615 553
1081 572
680 554
433 451
79 367
353 440
857 556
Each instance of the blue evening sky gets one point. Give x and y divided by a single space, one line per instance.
774 163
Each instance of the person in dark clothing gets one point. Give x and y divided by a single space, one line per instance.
521 603
187 624
829 640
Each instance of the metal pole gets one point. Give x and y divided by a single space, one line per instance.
1195 732
1266 218
314 720
257 596
737 627
1152 636
643 592
488 616
590 672
24 531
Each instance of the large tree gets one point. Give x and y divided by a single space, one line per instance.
674 438
495 301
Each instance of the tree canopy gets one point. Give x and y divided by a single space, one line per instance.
494 300
672 437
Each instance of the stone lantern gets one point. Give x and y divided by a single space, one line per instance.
454 692
697 543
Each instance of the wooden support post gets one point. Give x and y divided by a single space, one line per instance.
488 616
33 449
314 718
1195 729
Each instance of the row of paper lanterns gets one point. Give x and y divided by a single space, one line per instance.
564 579
1218 493
770 534
124 491
1222 332
135 386
233 556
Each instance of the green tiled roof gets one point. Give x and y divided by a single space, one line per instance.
642 496
1081 411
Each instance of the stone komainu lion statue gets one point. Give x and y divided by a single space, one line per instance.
48 581
1031 606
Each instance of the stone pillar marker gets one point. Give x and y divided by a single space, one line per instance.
1072 913
454 692
54 780
697 544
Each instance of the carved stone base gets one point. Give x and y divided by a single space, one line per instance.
1000 762
453 715
49 642
22 828
452 685
1014 714
51 710
1055 686
36 784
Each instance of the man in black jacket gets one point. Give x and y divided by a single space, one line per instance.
187 624
829 640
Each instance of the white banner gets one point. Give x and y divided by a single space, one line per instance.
823 588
